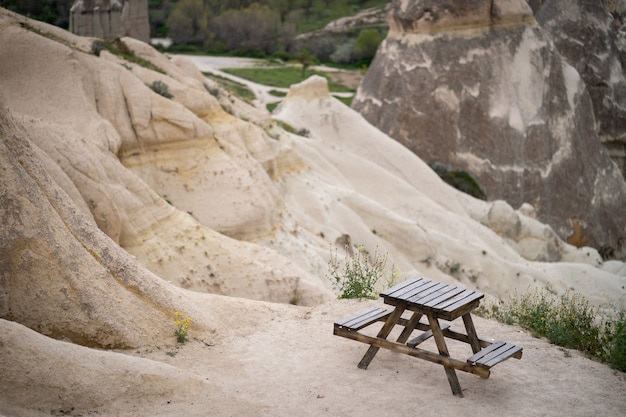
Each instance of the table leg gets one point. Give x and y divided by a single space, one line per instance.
408 329
471 332
383 333
443 350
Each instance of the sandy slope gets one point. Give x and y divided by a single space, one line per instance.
291 364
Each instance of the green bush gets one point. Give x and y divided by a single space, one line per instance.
616 341
367 44
161 88
119 48
460 180
360 273
568 321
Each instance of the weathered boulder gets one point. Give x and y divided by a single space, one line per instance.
482 88
591 36
59 274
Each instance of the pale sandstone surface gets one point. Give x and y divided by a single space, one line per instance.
393 200
111 117
93 255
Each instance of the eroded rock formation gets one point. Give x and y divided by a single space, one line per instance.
120 205
480 86
110 19
591 36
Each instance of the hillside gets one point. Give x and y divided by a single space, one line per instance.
121 206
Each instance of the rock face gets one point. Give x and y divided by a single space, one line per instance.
109 19
481 87
591 36
111 116
120 206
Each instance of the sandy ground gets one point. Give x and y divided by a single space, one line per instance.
294 365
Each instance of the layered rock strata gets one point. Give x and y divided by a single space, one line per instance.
480 86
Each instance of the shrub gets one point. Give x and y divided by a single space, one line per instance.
367 44
616 341
344 54
360 273
568 321
460 180
182 327
161 88
119 48
98 46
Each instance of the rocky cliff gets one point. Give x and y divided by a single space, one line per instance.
479 85
591 36
120 205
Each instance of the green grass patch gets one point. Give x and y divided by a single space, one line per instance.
345 100
238 89
277 93
282 77
48 35
568 321
271 106
119 48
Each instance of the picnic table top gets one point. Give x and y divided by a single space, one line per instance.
431 297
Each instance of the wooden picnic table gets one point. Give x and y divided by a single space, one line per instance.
437 302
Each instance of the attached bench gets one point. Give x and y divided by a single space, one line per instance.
363 319
495 353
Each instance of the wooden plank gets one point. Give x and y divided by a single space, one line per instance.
401 287
415 352
364 318
471 332
425 336
409 327
482 353
383 333
446 296
463 306
417 298
499 355
414 291
443 351
346 321
462 295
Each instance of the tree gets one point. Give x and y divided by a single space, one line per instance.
56 12
307 5
367 44
188 22
253 29
305 59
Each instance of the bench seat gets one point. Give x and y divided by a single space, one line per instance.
363 318
495 353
